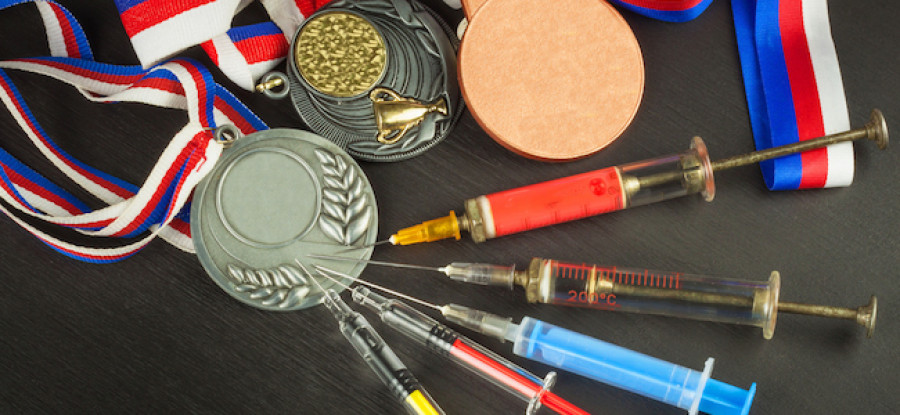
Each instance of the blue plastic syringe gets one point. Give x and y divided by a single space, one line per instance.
654 378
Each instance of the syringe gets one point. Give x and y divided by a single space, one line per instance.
699 297
379 356
663 381
444 341
609 189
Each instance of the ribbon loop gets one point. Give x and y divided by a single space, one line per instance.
158 205
160 29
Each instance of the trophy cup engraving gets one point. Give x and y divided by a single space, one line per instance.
396 116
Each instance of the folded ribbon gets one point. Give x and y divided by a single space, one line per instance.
666 10
794 89
161 28
792 81
159 206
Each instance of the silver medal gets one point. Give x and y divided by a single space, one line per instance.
272 199
377 77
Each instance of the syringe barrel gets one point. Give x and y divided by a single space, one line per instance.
382 360
668 177
446 342
697 297
623 368
588 194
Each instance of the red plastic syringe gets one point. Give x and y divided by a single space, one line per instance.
610 189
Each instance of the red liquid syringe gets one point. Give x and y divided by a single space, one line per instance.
609 189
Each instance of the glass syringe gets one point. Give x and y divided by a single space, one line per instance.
699 297
379 356
443 341
666 382
609 189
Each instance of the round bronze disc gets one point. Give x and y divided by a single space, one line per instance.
551 81
340 54
471 6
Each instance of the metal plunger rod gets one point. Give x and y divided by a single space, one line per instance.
817 310
875 130
863 315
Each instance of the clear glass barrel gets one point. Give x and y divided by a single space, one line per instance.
668 177
637 290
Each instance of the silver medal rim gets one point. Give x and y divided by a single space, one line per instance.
215 269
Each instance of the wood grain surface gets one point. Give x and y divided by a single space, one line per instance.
153 333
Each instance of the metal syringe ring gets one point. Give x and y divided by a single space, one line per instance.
675 294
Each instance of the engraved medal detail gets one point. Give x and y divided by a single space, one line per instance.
394 116
376 77
340 54
272 199
346 214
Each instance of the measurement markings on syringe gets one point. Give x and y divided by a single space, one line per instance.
600 284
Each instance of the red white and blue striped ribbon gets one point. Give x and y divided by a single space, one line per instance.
161 28
158 207
794 89
666 10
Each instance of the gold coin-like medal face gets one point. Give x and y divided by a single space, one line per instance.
340 54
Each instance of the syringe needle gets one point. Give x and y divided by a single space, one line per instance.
374 262
309 276
323 270
377 354
598 360
472 273
348 248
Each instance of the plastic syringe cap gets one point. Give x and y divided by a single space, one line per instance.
429 231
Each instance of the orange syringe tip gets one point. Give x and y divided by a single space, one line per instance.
429 231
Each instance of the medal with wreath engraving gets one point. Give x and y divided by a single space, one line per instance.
273 198
376 77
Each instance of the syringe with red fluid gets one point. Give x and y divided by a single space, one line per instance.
609 189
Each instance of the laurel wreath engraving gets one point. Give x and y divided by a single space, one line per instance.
282 287
345 210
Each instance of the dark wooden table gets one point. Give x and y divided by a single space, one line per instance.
154 334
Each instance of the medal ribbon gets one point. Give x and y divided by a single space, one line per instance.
666 10
794 89
792 80
158 207
161 28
